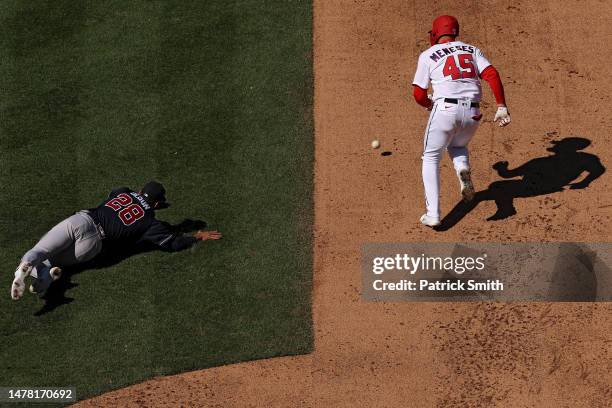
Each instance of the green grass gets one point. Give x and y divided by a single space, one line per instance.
213 98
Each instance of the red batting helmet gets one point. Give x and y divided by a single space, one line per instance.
443 25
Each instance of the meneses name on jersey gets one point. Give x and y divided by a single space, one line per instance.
443 52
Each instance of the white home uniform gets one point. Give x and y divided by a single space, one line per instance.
453 69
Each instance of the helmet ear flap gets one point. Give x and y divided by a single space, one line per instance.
432 38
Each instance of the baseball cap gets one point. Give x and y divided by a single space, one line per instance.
154 192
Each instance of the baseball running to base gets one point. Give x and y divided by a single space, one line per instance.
375 144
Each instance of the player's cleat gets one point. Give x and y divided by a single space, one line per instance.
430 221
56 273
17 288
41 285
467 187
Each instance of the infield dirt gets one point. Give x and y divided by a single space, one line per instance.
554 64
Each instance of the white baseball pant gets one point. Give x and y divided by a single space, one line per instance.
451 127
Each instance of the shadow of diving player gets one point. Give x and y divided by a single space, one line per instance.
540 176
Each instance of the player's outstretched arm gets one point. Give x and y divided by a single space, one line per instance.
182 242
161 234
491 75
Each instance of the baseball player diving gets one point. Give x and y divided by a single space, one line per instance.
125 217
454 70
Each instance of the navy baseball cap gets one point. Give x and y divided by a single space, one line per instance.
155 192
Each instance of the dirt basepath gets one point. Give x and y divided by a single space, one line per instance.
554 63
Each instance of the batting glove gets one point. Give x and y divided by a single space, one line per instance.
503 116
430 97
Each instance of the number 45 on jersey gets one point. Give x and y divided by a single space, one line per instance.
465 69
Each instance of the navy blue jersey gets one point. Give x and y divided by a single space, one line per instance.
126 216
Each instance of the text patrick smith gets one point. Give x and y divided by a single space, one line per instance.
439 285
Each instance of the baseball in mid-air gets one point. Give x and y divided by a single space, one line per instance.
375 144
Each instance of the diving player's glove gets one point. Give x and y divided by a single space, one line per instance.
502 115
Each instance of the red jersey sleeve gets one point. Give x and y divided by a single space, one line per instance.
420 96
491 75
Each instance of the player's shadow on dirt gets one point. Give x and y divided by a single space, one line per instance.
540 176
110 255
